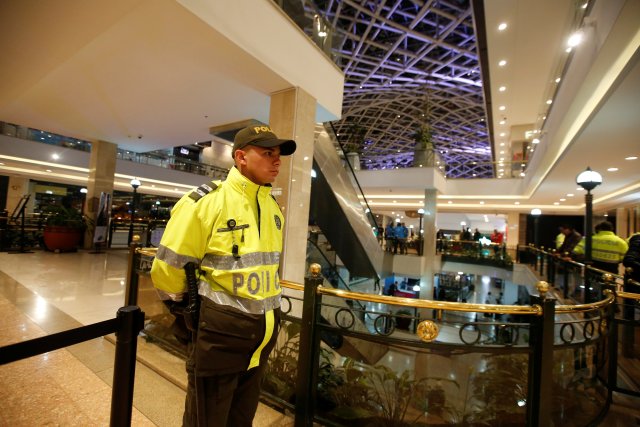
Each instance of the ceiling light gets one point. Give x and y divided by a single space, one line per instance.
48 170
503 122
475 174
502 152
568 50
501 170
449 202
569 194
502 63
584 5
558 80
502 134
501 159
575 39
482 203
55 156
580 189
535 141
516 203
556 203
631 158
502 108
522 174
549 101
612 169
563 200
502 144
502 26
502 88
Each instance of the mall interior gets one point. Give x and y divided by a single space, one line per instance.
463 126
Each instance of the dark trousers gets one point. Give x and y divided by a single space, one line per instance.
227 400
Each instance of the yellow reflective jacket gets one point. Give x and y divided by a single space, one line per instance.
605 247
233 231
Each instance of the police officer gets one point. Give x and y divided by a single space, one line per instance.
607 249
233 231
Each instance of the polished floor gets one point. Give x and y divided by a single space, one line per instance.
43 293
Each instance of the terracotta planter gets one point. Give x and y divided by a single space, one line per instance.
61 238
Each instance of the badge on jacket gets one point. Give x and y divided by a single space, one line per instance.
278 222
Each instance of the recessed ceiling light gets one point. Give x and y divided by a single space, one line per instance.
502 63
502 144
500 170
631 158
612 169
474 174
503 122
48 170
558 80
502 26
569 194
482 203
522 174
549 101
501 158
580 189
502 134
535 141
449 202
575 39
556 203
55 156
502 152
502 88
568 50
516 203
502 108
563 200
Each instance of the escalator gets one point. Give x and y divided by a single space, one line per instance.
338 212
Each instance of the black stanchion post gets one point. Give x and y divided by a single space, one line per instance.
131 290
565 280
541 262
309 354
130 323
612 339
541 361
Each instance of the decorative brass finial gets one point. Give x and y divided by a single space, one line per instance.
314 269
427 330
135 238
543 288
608 278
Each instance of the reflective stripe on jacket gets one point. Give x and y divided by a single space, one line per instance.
605 247
205 227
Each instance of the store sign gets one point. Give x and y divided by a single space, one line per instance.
50 189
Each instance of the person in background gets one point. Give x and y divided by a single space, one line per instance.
403 235
232 230
607 249
632 258
570 239
389 237
477 235
559 239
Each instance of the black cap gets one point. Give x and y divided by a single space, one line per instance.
262 136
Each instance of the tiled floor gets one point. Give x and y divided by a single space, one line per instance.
43 293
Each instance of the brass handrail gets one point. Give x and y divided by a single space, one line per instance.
581 308
629 295
147 251
291 285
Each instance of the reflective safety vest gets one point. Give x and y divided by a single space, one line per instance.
605 247
233 231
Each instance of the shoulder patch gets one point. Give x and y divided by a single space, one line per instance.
203 190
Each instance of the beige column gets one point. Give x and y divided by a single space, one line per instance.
430 260
292 115
622 222
513 230
102 168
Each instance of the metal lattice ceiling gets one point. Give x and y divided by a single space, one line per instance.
408 64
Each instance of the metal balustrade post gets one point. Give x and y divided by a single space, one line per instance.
628 308
565 280
309 353
540 379
541 263
130 323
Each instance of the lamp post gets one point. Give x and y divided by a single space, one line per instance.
83 191
588 180
134 184
536 214
420 240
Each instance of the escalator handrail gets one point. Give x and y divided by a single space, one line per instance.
353 173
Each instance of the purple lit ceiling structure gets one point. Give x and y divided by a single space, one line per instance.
408 64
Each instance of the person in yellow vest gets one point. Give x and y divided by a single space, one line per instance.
607 249
232 230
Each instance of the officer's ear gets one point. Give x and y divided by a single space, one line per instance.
240 157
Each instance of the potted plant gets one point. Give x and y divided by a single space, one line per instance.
64 228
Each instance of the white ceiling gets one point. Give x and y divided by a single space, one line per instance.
149 74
